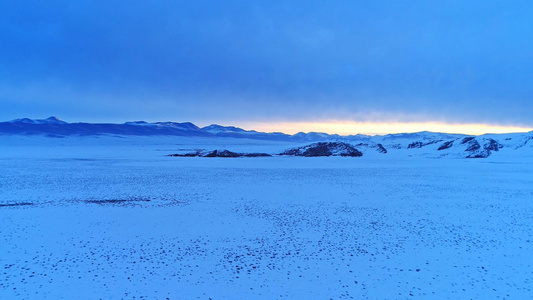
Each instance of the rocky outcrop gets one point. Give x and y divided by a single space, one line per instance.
222 153
473 145
477 150
421 144
324 149
219 153
446 145
492 145
381 149
467 139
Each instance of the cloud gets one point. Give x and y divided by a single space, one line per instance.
278 61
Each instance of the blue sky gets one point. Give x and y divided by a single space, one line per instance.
262 62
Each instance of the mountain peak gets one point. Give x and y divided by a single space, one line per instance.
216 129
138 123
49 120
53 119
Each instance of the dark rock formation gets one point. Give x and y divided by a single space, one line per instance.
220 153
476 151
184 155
257 155
421 144
415 145
473 145
324 149
482 154
492 145
446 145
381 149
467 139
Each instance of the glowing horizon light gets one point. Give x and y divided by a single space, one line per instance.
370 128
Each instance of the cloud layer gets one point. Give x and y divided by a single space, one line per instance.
307 61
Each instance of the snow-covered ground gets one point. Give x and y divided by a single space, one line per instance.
398 227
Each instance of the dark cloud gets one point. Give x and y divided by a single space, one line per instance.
410 60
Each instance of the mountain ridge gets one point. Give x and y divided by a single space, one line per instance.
434 144
55 126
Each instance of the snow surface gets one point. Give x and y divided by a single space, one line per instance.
371 227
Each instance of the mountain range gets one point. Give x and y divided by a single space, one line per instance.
437 144
54 127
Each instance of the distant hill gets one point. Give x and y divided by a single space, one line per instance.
432 144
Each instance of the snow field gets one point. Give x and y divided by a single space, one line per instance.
264 228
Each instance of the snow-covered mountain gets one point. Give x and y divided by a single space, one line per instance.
58 128
50 120
426 144
231 131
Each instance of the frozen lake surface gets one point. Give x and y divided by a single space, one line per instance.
111 220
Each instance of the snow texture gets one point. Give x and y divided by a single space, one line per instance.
116 218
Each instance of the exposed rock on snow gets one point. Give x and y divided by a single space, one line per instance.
473 145
446 145
421 144
219 153
222 153
256 155
324 149
477 151
381 149
467 139
492 145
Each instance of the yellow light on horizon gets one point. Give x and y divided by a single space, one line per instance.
370 128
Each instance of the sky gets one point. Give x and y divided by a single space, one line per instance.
334 66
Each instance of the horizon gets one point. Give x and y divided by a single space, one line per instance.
339 128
